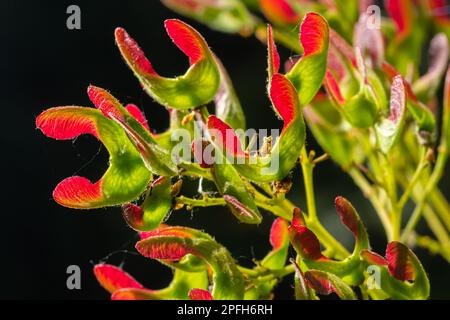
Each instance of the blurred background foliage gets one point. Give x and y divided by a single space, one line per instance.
43 64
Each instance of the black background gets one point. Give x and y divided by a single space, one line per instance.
43 64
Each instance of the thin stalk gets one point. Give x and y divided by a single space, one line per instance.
432 219
441 205
312 220
277 274
432 183
391 190
423 164
204 202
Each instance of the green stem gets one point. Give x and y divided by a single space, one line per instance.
432 183
423 164
204 202
277 274
312 220
441 205
431 219
433 246
307 170
391 190
438 230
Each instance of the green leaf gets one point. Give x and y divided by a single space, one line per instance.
325 283
196 87
401 276
308 73
156 159
388 129
173 243
240 201
302 290
425 120
426 86
333 137
274 162
155 208
361 110
279 238
126 177
307 245
422 115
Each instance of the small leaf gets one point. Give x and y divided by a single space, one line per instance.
155 158
360 110
279 233
164 247
279 239
200 149
352 221
305 242
240 201
307 245
156 206
196 87
302 290
176 242
421 113
200 294
178 289
400 262
308 73
126 177
389 128
279 12
272 55
342 47
401 275
243 213
297 218
137 114
333 89
326 283
426 86
284 153
113 278
325 122
225 137
373 258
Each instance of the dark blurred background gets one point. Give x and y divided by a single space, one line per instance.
43 64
